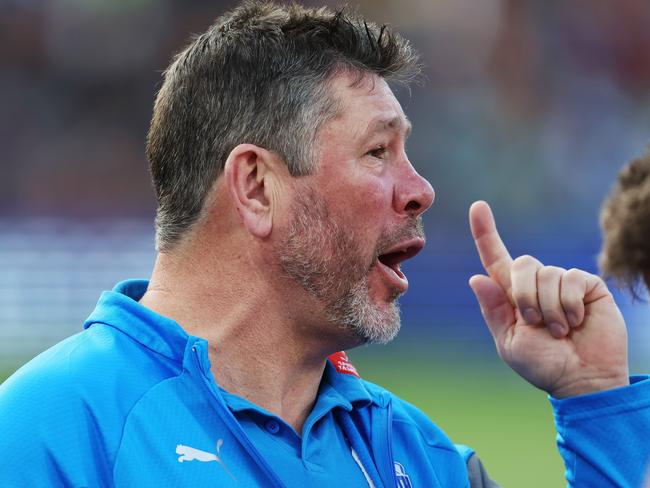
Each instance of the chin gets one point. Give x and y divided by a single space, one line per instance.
373 325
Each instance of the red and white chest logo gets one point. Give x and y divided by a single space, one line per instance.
342 363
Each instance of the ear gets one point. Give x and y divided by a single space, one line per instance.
251 177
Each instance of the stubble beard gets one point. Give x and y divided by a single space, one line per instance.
329 264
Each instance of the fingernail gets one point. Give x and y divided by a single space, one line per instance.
531 316
573 320
557 329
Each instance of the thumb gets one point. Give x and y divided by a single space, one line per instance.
495 306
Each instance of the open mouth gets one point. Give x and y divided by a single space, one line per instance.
390 261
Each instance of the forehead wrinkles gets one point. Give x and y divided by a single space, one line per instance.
357 106
398 123
389 116
374 105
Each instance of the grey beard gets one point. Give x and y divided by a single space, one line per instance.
328 264
354 312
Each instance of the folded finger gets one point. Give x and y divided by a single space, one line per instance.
549 279
572 294
524 288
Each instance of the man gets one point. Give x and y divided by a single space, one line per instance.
286 203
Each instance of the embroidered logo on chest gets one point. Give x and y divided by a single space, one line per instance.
403 480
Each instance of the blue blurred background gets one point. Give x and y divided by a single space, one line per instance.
533 106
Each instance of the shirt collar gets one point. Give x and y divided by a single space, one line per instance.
120 309
336 390
347 388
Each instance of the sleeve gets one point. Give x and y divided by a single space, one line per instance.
604 438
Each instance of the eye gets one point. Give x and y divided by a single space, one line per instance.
379 152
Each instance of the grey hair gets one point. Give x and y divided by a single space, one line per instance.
260 75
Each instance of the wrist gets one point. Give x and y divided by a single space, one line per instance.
588 386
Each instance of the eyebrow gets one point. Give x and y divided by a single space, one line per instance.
394 123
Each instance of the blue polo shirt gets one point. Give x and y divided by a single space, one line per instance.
131 401
322 453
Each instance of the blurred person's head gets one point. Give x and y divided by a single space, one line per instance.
625 222
260 75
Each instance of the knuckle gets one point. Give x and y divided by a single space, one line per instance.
597 279
525 261
574 274
571 301
549 272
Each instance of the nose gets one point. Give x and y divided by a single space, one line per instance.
413 194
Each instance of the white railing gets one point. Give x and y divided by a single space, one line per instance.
53 270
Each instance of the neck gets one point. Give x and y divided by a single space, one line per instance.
260 347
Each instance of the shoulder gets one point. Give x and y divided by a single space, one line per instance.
46 378
413 432
96 362
404 412
420 447
67 407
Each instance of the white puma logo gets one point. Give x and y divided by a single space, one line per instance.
188 453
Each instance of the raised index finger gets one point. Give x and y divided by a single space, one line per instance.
491 249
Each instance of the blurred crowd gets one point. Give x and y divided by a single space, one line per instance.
531 105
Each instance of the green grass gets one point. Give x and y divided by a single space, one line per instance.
478 402
6 371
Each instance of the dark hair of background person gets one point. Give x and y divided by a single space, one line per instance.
258 75
625 223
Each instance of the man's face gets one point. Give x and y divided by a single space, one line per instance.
357 217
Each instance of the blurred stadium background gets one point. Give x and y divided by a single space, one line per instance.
531 105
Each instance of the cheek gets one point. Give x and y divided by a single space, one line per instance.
370 200
362 212
379 197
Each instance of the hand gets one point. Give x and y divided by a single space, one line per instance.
560 330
